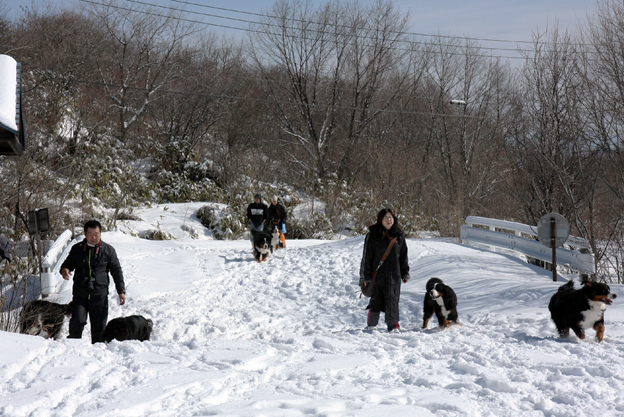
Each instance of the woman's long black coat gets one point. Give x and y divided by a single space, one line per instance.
394 270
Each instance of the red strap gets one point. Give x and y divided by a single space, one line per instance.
384 257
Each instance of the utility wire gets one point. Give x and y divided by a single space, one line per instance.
321 24
262 15
251 30
307 21
201 22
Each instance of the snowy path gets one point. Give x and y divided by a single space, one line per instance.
283 338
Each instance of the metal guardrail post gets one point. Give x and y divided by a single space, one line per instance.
574 259
51 263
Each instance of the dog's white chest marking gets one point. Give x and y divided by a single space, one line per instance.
436 296
594 314
262 250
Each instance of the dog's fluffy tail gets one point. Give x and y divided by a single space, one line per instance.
567 286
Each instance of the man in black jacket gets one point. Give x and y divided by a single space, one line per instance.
92 260
257 213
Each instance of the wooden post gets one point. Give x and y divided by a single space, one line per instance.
553 235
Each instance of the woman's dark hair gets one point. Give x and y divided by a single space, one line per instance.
92 224
382 214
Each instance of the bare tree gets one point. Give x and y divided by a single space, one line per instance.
326 73
142 54
602 71
553 126
464 143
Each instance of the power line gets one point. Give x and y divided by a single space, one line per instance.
262 15
278 34
251 30
380 91
306 21
238 77
255 22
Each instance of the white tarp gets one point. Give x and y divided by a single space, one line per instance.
8 88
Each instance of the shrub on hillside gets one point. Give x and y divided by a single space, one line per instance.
224 223
156 234
179 188
318 227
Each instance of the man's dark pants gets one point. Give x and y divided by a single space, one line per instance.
97 309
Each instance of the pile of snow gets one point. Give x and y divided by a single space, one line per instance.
233 337
8 87
176 220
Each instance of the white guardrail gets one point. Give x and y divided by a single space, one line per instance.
496 233
51 263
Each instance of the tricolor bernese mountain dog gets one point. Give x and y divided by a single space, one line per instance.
128 328
262 245
44 318
441 300
276 242
580 309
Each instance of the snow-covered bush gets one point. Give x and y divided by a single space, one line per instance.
225 224
156 234
179 188
193 233
117 184
317 227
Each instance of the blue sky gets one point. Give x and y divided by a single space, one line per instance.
483 19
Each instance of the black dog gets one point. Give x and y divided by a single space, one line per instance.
128 328
262 245
580 309
40 316
441 300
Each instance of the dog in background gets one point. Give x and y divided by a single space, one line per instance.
276 239
128 328
262 245
580 309
39 317
441 300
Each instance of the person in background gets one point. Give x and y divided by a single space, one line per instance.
4 248
257 213
390 273
277 217
91 260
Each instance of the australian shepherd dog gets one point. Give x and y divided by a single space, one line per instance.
580 309
441 300
128 328
43 318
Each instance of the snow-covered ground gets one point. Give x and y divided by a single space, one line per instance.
233 337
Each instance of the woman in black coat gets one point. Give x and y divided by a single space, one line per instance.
387 285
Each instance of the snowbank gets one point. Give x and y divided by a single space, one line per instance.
233 337
8 87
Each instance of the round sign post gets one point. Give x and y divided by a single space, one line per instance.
553 231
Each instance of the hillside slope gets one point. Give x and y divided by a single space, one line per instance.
233 337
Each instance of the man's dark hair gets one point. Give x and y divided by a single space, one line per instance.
92 224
